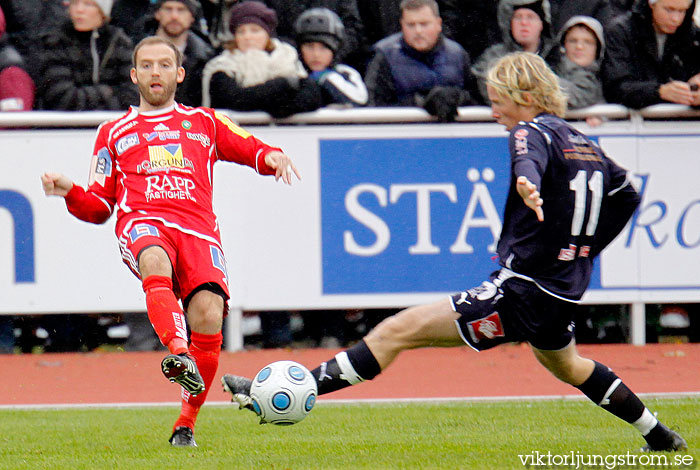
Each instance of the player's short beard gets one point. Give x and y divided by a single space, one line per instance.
157 100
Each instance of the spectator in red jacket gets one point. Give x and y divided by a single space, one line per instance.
16 86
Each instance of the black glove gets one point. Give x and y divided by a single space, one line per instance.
442 102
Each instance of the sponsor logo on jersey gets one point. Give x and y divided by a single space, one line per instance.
124 128
161 127
520 141
200 137
582 152
489 327
126 142
232 127
169 187
101 166
165 158
162 135
569 254
577 139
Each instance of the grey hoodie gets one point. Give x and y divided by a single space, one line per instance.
506 9
582 85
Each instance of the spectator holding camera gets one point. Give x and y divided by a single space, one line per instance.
653 55
420 67
258 72
320 33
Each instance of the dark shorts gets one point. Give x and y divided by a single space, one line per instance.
197 263
509 308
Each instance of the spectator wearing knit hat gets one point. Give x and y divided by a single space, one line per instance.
256 71
16 86
84 62
352 50
174 20
525 26
320 33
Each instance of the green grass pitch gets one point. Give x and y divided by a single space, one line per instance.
450 435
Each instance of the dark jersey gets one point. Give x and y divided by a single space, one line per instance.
588 200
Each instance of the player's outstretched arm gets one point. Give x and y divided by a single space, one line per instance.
531 196
56 184
283 165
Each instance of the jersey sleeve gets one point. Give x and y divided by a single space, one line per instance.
96 204
529 152
235 144
620 202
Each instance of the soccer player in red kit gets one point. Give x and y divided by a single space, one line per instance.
155 164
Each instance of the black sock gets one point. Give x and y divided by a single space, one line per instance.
608 391
349 367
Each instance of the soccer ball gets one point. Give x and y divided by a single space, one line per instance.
283 393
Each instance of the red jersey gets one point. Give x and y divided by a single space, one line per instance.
159 165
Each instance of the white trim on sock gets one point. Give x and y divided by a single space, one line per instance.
613 387
646 422
347 371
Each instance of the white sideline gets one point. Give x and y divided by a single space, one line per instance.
349 401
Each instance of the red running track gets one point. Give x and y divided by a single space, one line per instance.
511 370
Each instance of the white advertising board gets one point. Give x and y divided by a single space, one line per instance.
385 216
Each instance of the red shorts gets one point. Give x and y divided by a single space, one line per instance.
195 261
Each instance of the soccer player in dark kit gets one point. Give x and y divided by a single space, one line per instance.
567 201
155 164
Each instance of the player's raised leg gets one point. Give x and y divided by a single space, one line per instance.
432 325
606 389
167 318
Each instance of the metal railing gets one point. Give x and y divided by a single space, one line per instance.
330 115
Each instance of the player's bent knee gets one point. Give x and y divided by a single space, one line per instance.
154 260
205 311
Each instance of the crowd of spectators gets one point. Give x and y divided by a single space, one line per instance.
291 56
307 54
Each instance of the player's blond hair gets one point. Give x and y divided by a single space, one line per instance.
518 73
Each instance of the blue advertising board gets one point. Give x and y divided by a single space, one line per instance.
410 215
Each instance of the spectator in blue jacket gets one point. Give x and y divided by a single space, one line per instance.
420 67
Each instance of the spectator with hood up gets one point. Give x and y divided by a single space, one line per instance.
320 33
526 25
583 47
84 62
16 86
653 55
258 72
